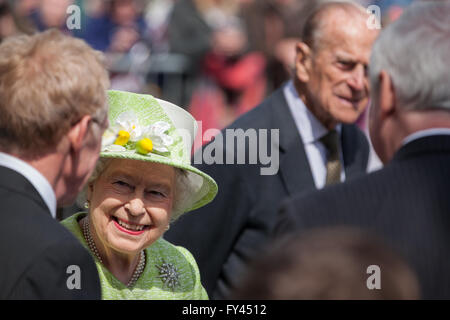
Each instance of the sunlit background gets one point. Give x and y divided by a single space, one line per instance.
216 58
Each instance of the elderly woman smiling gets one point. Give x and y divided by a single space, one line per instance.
142 182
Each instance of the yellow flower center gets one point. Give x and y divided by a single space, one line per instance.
144 146
122 138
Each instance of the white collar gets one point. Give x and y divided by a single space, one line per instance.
39 182
311 129
426 133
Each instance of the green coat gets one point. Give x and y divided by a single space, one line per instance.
149 286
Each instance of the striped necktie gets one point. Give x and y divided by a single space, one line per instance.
334 166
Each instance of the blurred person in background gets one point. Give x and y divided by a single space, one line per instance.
117 27
24 8
114 25
11 22
273 29
225 78
329 264
157 16
8 25
129 25
51 14
190 35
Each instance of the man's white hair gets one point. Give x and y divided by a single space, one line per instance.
415 52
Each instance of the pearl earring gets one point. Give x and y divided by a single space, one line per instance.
86 204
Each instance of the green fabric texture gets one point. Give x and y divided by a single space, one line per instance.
148 111
149 286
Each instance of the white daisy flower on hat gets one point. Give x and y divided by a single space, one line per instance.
156 134
125 129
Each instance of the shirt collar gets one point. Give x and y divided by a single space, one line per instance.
311 129
425 133
39 182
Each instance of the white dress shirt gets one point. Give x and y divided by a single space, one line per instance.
39 182
426 133
311 130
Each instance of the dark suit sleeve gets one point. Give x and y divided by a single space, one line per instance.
210 232
288 220
327 207
48 275
309 209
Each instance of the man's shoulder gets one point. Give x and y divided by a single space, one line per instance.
335 204
51 273
359 200
38 250
30 228
35 222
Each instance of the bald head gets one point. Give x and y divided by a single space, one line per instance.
332 15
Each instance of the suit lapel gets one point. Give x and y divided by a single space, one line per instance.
295 172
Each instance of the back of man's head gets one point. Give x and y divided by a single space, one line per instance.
414 51
330 263
48 82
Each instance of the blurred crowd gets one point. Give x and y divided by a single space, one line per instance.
216 58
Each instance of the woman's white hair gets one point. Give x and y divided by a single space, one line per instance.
414 51
183 197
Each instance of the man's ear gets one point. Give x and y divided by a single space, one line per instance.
302 62
78 133
386 94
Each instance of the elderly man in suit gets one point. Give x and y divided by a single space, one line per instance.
53 113
318 144
408 201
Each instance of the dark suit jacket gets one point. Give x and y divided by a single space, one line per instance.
407 203
36 250
229 231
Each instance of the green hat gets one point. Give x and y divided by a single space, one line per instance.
144 128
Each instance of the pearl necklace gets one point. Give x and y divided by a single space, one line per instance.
90 241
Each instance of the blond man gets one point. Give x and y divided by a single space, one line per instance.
53 114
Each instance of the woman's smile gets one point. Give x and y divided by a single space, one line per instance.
129 227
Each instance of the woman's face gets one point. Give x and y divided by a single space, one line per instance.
131 204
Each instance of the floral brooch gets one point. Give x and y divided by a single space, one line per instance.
127 133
